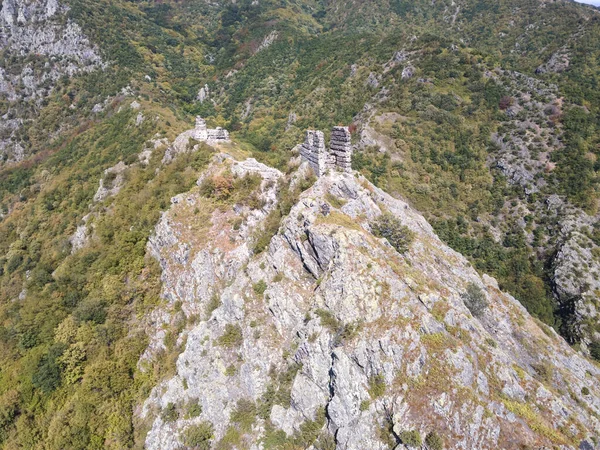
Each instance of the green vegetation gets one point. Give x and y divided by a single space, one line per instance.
214 303
377 386
232 337
594 349
72 349
170 413
434 441
310 432
389 226
278 392
474 299
69 343
193 409
260 287
244 414
199 436
342 332
411 438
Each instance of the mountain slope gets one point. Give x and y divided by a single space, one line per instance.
331 337
483 116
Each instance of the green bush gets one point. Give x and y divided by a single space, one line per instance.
244 414
474 299
411 438
389 226
594 348
199 436
232 337
585 391
193 409
434 441
213 303
260 287
170 413
377 386
48 374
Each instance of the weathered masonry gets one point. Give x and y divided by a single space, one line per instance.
201 133
338 156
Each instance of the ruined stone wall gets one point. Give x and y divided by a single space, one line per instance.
217 134
313 150
201 133
338 156
340 148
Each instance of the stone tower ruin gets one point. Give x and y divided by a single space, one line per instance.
338 156
201 133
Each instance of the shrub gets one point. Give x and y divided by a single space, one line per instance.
193 409
232 337
474 299
389 226
48 374
90 310
595 350
199 436
13 263
434 441
169 414
411 438
260 287
244 414
505 102
328 320
213 303
585 391
376 386
231 370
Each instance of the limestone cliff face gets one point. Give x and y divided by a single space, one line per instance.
39 45
336 340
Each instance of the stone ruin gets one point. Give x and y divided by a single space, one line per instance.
338 156
201 133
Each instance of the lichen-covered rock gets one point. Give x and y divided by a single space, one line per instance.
332 330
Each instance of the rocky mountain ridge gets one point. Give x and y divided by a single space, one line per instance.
332 339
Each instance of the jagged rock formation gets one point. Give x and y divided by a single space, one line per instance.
339 155
332 330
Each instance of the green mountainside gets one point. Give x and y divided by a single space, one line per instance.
483 115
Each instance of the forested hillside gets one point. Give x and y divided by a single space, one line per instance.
483 115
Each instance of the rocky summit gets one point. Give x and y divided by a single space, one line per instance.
299 224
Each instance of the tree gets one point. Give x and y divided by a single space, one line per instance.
474 299
389 226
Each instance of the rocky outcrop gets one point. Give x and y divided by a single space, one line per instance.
40 28
197 235
111 183
332 330
576 278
